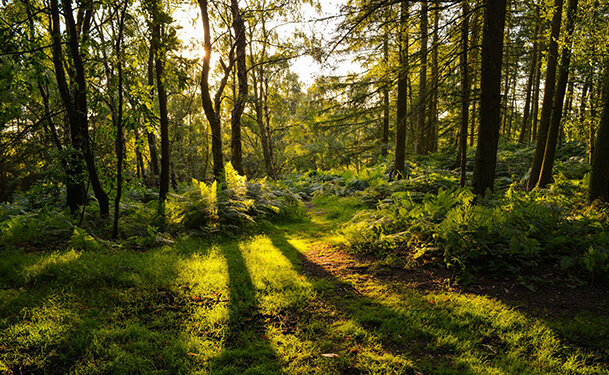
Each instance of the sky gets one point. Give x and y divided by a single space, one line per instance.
191 32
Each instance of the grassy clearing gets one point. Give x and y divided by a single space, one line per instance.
259 305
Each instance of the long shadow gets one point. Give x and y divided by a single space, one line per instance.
246 346
415 332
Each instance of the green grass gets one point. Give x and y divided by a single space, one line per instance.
246 307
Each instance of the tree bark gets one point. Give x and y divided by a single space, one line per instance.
548 96
432 134
159 66
208 105
385 89
154 154
599 176
490 96
526 116
75 102
545 176
422 126
402 99
465 87
240 45
120 140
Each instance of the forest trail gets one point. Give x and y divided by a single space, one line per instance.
289 300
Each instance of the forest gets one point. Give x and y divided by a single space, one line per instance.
304 187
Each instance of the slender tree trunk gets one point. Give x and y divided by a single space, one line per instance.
599 176
402 106
240 43
545 176
535 111
76 106
526 116
208 106
465 87
120 141
159 65
548 96
385 89
474 57
432 136
152 149
490 96
422 126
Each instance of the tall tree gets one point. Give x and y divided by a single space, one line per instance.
422 124
240 46
526 116
548 95
599 176
545 176
402 100
465 87
75 102
490 96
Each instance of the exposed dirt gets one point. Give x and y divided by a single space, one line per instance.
548 297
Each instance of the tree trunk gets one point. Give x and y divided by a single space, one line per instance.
422 126
474 57
154 154
548 96
240 44
208 106
432 135
526 116
120 141
490 96
535 113
402 99
545 176
385 89
465 87
599 176
76 107
159 65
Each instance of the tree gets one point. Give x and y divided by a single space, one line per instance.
548 96
465 88
75 102
599 176
402 100
239 105
490 96
545 176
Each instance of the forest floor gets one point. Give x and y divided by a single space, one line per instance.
290 300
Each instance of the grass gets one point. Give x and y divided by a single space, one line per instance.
259 305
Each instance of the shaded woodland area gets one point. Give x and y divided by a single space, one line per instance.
198 206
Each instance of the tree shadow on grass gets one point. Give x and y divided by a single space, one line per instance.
246 347
434 336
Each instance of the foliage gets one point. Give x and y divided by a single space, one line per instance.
511 232
229 206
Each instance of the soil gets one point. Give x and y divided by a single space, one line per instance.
550 296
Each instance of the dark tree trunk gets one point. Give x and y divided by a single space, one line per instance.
490 96
535 111
240 44
159 65
120 141
75 103
465 87
422 126
402 99
548 96
599 176
526 116
385 89
545 176
432 134
474 57
208 105
154 154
